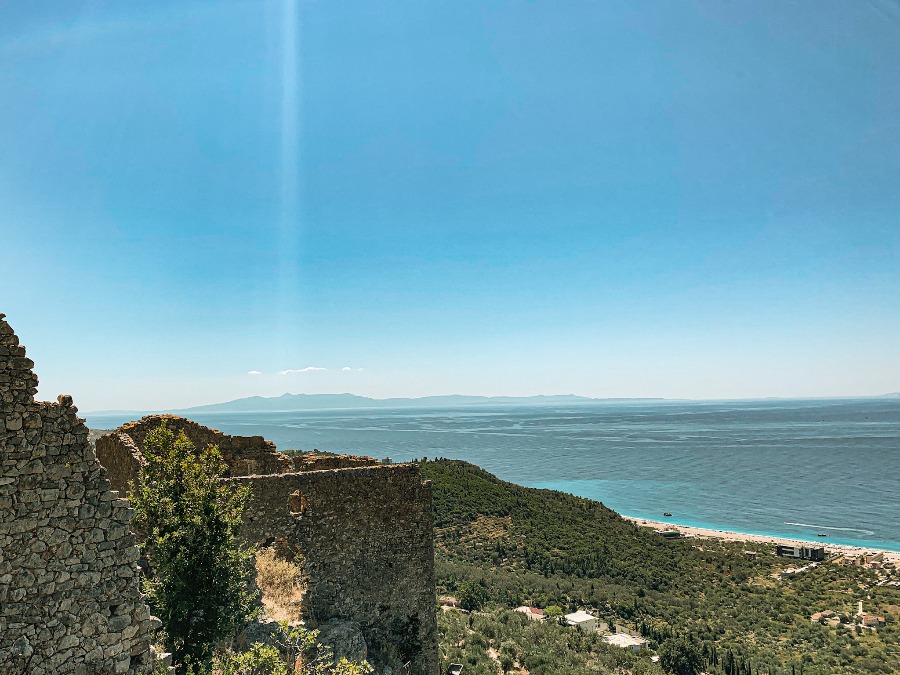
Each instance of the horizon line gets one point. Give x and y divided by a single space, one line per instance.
151 411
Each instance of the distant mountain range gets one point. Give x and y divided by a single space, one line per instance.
292 402
298 402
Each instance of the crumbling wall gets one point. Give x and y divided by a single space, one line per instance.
121 458
120 454
70 598
366 534
320 461
120 451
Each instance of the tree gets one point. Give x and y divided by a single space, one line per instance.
199 581
472 595
680 656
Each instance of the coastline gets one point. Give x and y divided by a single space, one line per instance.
702 532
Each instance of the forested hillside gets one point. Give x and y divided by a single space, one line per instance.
544 548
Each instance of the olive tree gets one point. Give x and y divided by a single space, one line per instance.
680 656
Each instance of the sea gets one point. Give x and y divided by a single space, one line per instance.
785 468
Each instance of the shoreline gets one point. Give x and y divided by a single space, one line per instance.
707 533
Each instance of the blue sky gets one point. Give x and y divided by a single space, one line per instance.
407 198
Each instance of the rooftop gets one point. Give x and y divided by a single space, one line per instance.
624 641
580 617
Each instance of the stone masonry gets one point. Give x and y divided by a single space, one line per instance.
70 598
120 451
366 535
364 530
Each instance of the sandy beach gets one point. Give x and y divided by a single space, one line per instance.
760 539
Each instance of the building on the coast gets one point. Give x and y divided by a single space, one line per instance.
874 560
669 533
815 553
633 642
532 613
583 621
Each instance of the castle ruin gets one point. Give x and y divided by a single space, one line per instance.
364 529
70 599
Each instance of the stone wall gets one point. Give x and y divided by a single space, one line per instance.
69 583
366 534
119 451
320 461
119 455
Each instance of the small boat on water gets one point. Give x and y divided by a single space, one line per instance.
667 514
821 534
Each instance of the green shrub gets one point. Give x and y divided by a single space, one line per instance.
199 573
296 652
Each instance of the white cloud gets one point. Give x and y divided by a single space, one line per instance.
253 372
294 371
348 369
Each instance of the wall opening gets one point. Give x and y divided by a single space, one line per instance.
297 503
281 580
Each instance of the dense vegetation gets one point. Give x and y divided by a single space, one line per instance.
499 638
539 547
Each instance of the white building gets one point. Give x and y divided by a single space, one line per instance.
632 642
583 620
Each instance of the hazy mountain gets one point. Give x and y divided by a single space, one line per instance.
291 402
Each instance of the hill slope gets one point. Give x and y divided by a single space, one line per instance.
545 531
540 547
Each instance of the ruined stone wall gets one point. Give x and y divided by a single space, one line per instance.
120 451
366 534
121 458
321 461
69 583
365 531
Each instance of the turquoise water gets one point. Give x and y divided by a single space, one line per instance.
779 468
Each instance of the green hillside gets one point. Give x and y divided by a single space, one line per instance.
540 547
545 531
